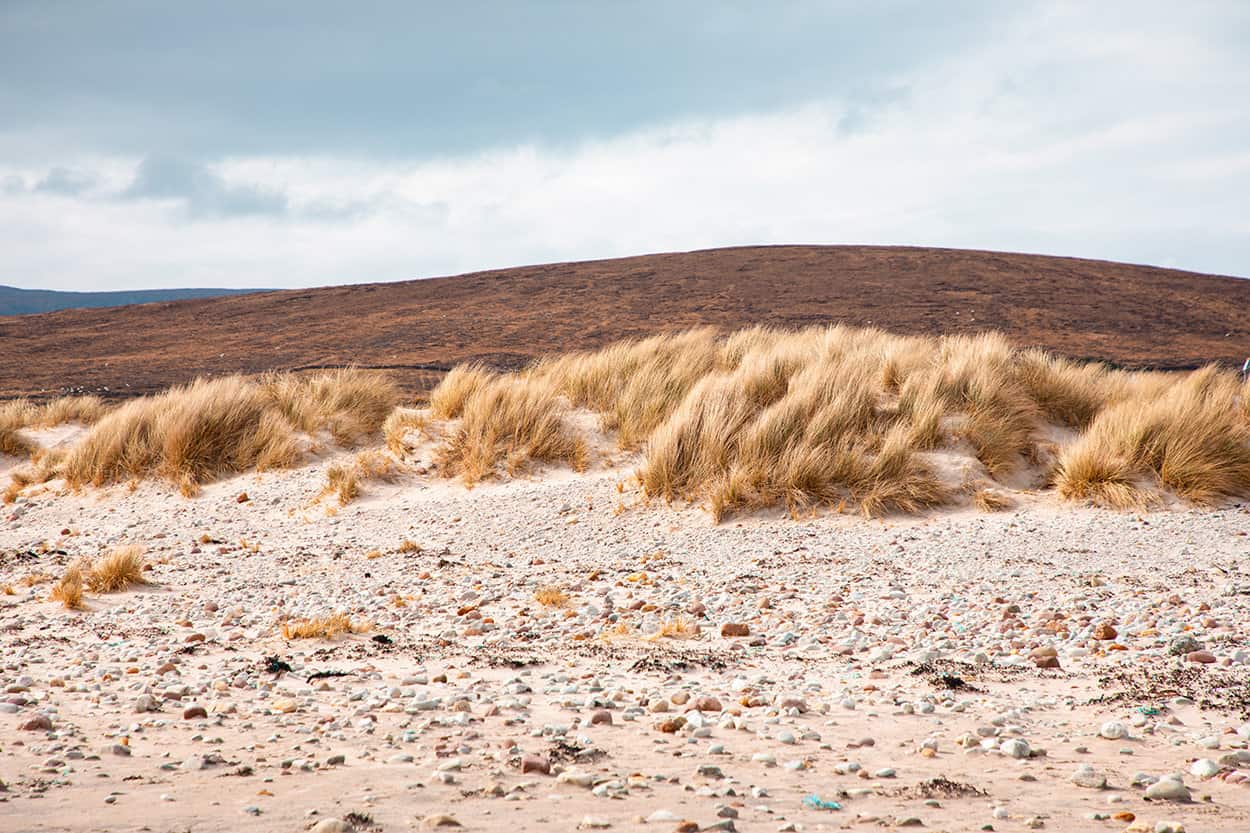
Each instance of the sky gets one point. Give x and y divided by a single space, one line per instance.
153 144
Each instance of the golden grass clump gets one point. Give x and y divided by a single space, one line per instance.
118 570
511 421
370 465
409 546
68 591
831 416
677 628
323 627
211 427
15 415
350 403
551 597
1190 439
85 410
398 424
448 399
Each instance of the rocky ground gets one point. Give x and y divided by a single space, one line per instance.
1049 667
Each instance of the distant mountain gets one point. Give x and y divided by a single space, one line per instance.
14 301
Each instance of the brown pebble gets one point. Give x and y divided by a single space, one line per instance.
687 827
1046 662
671 725
735 629
534 763
242 498
601 716
194 712
440 820
38 723
195 637
1105 631
705 704
1200 656
680 698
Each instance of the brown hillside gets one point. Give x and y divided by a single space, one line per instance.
1137 316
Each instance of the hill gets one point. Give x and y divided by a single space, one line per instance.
16 301
1135 316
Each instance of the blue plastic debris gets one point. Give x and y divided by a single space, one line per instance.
817 803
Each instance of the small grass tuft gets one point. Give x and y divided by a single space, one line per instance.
677 628
551 597
323 627
68 591
116 571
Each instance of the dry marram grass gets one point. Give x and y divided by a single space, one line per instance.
119 569
323 627
551 597
68 591
211 427
837 416
345 481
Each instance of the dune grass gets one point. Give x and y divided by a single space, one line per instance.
509 421
323 627
1189 438
17 414
346 480
69 590
116 571
194 433
839 416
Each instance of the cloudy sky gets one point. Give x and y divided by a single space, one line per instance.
260 143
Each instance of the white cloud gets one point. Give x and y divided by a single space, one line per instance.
1050 138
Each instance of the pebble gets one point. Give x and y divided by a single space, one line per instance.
1086 776
1113 730
1168 788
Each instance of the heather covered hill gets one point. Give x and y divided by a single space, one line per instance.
1137 316
17 301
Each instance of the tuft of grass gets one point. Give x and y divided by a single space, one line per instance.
399 424
323 627
68 591
991 500
345 481
510 421
676 628
352 404
448 398
408 545
15 415
193 433
1189 439
84 410
119 569
551 597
